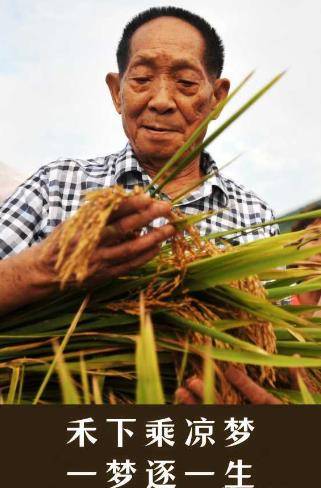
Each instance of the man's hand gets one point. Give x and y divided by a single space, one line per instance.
192 392
31 275
121 248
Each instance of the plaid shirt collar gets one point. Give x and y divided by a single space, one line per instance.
127 162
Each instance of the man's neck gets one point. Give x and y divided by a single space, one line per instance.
186 178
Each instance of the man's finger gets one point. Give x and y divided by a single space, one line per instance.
125 268
130 249
120 228
196 386
185 397
249 389
131 205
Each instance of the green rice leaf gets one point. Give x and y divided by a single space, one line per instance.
84 380
285 291
149 388
276 360
211 331
294 396
208 378
68 389
97 385
181 371
21 383
13 385
307 398
314 214
257 306
240 263
61 348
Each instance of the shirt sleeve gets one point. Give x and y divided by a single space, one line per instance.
23 215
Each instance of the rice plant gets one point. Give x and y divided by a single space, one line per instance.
203 309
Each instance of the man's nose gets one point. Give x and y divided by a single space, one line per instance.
162 98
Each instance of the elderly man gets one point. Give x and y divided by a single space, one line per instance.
170 63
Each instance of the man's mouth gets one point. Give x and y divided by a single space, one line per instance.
157 128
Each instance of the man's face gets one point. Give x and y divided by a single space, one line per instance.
165 91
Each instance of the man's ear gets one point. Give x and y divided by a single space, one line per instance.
221 87
113 82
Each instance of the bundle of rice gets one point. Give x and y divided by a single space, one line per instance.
201 309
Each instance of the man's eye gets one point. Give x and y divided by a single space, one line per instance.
141 80
186 83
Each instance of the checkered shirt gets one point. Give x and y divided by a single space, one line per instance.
54 193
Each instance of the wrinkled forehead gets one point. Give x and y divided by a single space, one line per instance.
160 58
167 36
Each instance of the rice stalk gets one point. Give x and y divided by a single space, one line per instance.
13 385
68 389
208 378
97 388
149 387
84 380
210 310
307 398
61 349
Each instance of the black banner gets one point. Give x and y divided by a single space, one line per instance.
153 446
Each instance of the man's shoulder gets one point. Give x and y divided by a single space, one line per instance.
92 166
49 196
